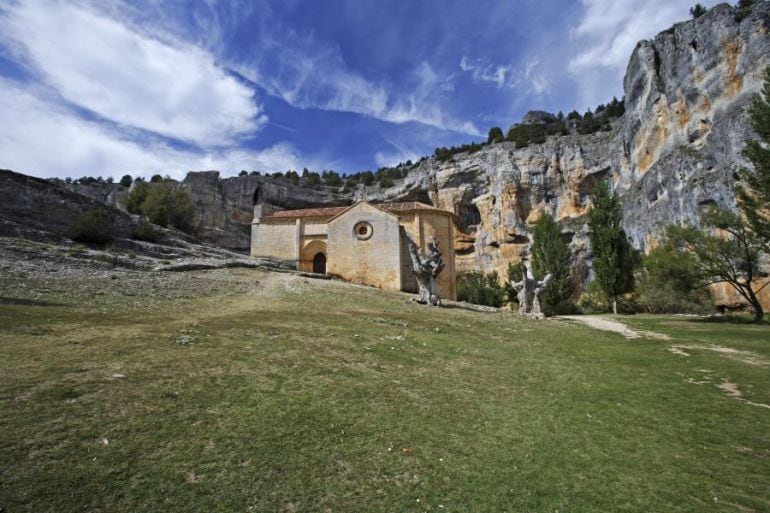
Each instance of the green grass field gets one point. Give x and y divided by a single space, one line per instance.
238 390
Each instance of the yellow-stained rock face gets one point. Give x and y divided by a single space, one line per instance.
649 140
733 79
725 295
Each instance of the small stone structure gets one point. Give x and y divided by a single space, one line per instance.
364 243
529 291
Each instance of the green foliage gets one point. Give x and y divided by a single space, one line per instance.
243 173
550 254
574 116
443 153
730 252
92 227
312 179
293 177
480 289
367 178
743 9
156 179
137 196
670 282
145 231
331 178
754 196
613 257
126 181
514 273
495 135
697 11
163 205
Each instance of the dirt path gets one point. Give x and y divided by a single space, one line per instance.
604 324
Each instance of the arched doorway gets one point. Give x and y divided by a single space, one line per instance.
319 263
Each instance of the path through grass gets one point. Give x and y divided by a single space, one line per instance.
239 390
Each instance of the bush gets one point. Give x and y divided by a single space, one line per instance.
668 283
514 273
313 179
137 196
145 231
163 205
93 227
126 181
480 289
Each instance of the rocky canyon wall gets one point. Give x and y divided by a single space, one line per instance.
677 147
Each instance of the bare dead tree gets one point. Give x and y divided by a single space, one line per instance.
426 268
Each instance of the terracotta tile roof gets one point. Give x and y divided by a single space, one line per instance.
306 212
328 212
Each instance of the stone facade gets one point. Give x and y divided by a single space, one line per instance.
362 243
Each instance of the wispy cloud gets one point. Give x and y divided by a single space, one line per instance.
606 35
481 70
319 78
31 121
97 63
401 153
301 67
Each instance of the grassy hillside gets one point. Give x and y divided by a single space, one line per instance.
238 390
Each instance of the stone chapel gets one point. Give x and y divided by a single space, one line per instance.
363 243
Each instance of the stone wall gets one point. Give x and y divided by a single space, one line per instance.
276 239
375 261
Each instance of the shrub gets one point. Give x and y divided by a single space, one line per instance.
93 226
313 179
163 205
669 283
126 181
137 196
514 273
480 289
145 231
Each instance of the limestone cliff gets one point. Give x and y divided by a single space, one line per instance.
675 148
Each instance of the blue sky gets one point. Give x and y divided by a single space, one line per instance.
108 87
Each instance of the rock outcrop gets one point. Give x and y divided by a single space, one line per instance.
676 148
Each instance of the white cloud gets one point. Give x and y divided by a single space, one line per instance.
416 106
130 78
538 81
606 36
400 154
482 70
43 138
319 78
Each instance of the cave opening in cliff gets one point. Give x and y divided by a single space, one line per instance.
468 215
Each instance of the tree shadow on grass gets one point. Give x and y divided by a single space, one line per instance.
16 301
744 319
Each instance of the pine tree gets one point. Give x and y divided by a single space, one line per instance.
697 11
550 254
613 257
495 135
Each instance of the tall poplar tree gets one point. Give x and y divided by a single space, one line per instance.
613 257
754 196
